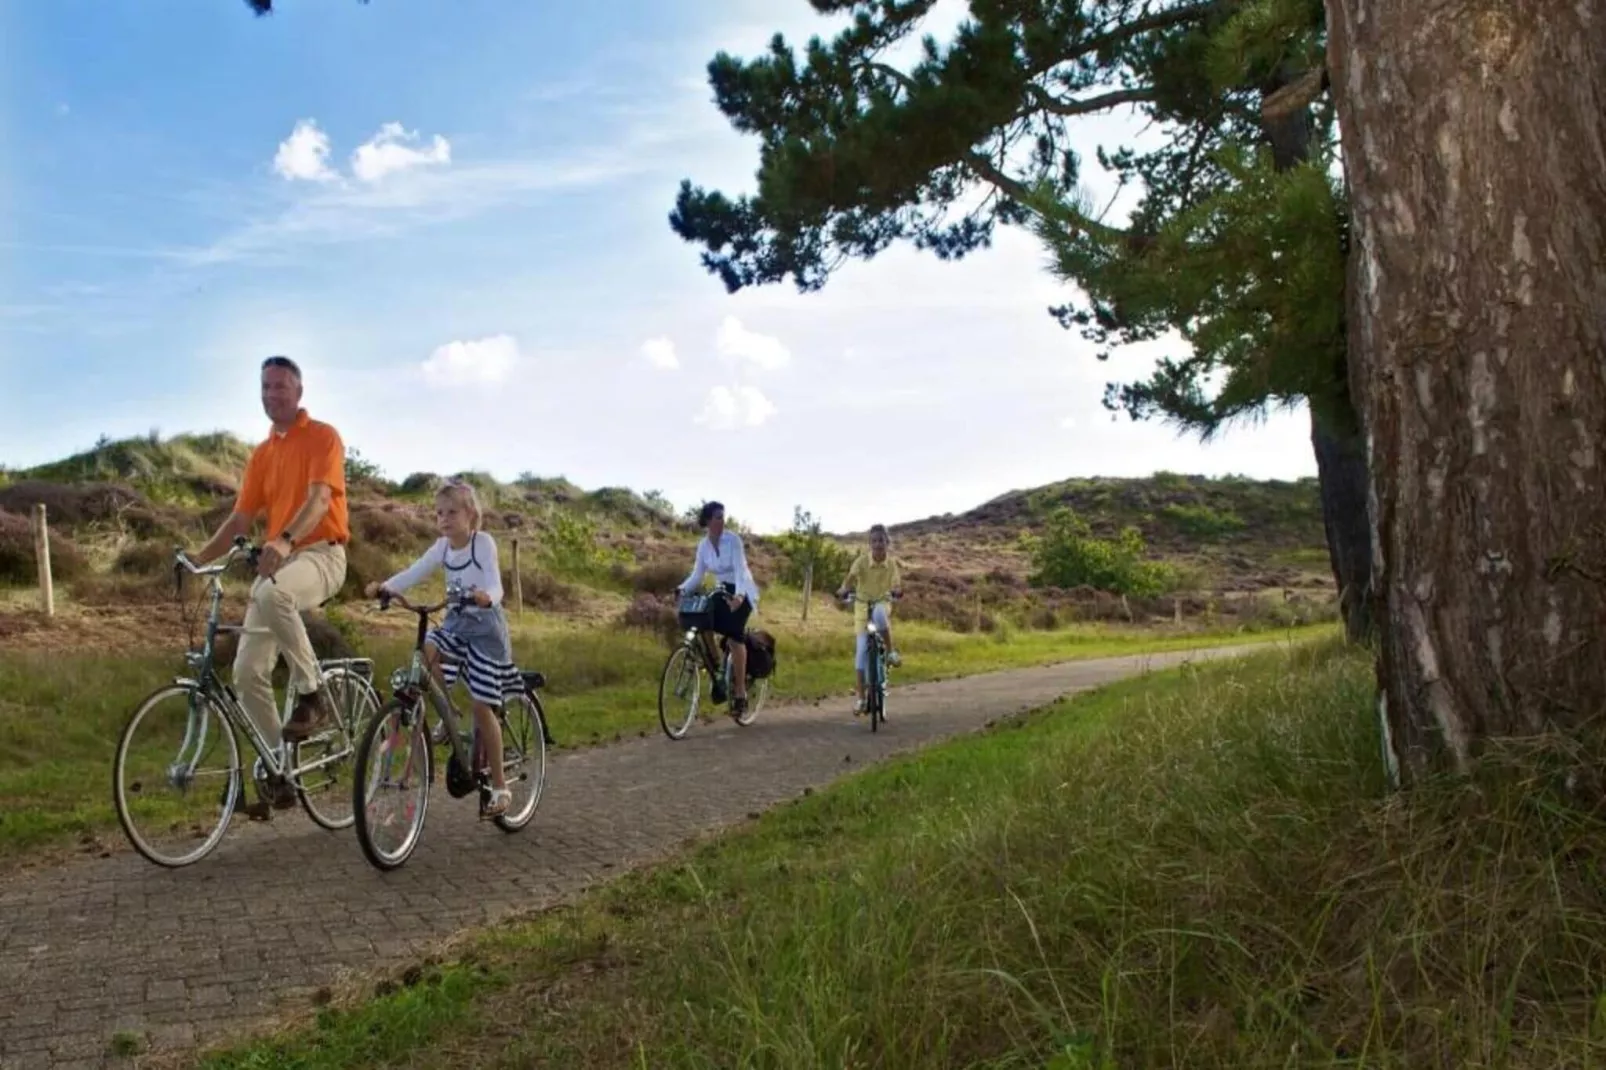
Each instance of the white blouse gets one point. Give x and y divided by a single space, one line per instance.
473 567
728 563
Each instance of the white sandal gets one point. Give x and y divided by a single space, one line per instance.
497 804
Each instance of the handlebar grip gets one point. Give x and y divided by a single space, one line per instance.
384 599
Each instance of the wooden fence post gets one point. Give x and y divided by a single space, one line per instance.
518 584
41 554
808 588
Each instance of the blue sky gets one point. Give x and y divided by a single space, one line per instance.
454 215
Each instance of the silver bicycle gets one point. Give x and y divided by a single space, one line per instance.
176 777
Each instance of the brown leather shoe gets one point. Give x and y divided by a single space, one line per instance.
311 713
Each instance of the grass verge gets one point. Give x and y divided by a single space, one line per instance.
1199 869
60 715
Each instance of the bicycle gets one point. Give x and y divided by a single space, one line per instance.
211 717
875 672
690 661
402 725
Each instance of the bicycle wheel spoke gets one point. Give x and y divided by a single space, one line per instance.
391 792
176 776
325 760
679 692
523 760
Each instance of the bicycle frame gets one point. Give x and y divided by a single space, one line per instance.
210 687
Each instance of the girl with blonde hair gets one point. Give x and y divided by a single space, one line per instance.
472 639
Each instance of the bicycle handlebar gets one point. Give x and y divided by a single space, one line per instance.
387 597
183 564
852 596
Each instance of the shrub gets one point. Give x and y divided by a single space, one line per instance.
1068 555
653 615
1202 522
572 549
17 562
419 483
542 590
807 543
366 563
391 528
658 577
147 558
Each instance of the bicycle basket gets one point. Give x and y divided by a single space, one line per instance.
694 611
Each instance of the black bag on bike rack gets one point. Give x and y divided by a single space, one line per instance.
760 654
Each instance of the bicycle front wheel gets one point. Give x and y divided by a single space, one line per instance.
390 791
523 758
324 764
682 683
176 776
875 689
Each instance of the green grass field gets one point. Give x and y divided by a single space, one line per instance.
1201 869
60 714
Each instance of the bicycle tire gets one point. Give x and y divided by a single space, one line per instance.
121 785
873 690
510 821
758 692
680 653
359 790
350 723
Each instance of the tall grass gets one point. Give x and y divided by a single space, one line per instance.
1202 869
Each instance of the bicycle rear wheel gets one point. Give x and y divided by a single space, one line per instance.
176 776
682 681
523 758
324 789
758 693
390 791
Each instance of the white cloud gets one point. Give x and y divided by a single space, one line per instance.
482 361
729 408
660 353
736 343
304 154
392 150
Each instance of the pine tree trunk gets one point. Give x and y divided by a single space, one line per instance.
1476 159
1334 423
1342 476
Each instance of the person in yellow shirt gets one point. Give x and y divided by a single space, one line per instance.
873 577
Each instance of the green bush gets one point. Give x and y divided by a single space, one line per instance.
807 542
1068 555
570 547
1201 521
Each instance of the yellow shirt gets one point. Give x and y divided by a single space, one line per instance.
871 581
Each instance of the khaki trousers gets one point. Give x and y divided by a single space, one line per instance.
273 625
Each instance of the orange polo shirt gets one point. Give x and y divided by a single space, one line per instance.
282 470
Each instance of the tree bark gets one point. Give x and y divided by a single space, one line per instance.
1476 160
1334 423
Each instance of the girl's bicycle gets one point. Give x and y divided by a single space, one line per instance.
396 761
875 671
176 775
690 663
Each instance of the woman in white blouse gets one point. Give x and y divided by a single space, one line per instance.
720 553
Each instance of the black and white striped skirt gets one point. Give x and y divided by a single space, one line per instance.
475 644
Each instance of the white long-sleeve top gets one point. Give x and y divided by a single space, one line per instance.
473 567
728 563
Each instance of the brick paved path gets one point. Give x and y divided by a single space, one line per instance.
94 948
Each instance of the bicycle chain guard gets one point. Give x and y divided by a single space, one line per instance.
458 782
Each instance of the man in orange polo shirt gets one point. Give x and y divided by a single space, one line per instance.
296 478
